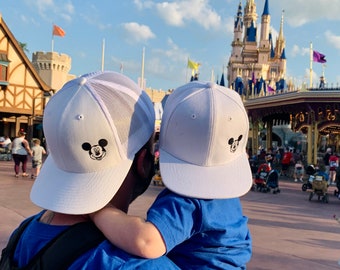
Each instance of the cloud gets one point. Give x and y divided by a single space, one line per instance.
143 4
333 39
177 13
298 51
295 50
49 9
301 12
135 32
92 16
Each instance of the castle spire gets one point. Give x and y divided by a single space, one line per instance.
265 24
250 15
239 20
237 43
266 8
281 27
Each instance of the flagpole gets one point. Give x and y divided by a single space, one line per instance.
142 74
103 52
212 77
52 40
121 68
186 73
311 66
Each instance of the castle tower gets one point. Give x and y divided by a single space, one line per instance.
52 67
255 63
265 23
237 43
250 14
280 41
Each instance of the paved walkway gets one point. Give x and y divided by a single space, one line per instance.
289 231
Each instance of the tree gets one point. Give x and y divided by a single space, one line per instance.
24 47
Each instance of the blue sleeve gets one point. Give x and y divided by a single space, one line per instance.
174 217
108 257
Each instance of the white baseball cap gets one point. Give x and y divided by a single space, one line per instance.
203 138
94 126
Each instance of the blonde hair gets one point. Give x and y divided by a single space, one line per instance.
36 141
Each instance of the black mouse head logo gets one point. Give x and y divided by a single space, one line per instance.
97 151
234 143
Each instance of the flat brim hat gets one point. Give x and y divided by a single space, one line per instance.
203 138
94 126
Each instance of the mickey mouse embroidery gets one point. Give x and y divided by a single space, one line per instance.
96 152
234 143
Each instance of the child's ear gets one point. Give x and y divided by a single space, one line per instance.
144 171
145 165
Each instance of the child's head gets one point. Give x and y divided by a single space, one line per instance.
36 141
203 141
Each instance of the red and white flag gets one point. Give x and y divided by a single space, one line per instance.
58 31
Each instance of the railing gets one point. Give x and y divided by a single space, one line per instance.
328 87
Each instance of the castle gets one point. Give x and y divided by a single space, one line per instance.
255 65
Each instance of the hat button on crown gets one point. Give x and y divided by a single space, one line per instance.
82 81
211 85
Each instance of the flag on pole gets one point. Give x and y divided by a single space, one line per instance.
253 79
319 57
193 65
58 31
270 89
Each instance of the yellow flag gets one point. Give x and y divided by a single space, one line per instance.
193 65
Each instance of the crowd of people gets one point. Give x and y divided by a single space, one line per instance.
292 163
20 150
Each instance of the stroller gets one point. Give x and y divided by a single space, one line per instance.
319 187
310 170
273 181
266 179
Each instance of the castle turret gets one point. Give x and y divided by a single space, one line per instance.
250 14
52 67
265 26
237 43
280 41
264 47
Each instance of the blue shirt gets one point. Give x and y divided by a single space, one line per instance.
104 256
202 234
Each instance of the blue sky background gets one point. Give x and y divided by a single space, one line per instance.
171 32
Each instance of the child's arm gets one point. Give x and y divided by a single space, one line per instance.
27 147
130 233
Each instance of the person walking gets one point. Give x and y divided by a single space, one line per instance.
326 159
286 162
20 150
333 165
37 153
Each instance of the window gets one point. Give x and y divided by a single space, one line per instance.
4 62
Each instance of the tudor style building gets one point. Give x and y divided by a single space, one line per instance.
22 91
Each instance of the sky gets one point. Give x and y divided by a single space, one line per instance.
170 33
